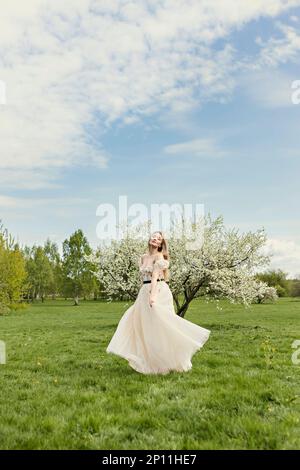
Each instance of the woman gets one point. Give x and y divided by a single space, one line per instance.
150 335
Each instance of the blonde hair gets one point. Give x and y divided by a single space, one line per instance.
163 248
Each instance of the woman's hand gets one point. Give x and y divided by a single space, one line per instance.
151 300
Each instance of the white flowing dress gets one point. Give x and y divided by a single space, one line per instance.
155 340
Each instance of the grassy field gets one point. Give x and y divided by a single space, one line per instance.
61 390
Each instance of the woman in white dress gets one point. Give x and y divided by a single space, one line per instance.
150 335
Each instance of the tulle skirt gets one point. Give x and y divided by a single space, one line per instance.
155 340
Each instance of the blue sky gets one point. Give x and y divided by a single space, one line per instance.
188 102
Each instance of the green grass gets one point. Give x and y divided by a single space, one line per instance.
61 390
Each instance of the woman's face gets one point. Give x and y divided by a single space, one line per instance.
156 240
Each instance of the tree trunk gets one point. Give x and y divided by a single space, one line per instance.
76 301
183 309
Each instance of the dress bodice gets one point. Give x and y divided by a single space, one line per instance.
147 271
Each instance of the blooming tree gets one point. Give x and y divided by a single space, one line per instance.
264 293
222 266
117 263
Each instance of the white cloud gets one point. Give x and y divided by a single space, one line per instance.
29 178
66 62
280 50
196 147
12 202
257 78
285 255
267 89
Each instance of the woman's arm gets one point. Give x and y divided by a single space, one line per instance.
153 288
153 285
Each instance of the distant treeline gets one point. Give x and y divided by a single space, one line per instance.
38 272
278 279
34 273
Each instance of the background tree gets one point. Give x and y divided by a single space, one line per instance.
12 271
39 273
15 274
264 293
77 270
295 286
277 279
52 253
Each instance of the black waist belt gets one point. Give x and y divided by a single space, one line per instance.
146 282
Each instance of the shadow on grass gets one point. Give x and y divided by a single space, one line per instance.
235 326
